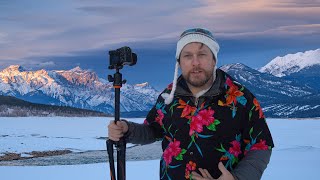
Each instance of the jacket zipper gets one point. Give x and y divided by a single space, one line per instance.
196 101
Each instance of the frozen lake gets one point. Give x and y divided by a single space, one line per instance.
295 156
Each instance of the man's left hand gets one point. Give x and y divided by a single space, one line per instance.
205 175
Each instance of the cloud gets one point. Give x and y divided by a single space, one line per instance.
3 38
297 3
281 31
245 15
51 29
47 64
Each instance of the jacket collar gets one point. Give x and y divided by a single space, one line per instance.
216 88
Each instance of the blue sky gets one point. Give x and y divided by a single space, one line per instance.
62 34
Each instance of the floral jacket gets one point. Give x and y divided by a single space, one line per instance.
221 125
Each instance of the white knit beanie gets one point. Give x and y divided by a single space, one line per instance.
192 35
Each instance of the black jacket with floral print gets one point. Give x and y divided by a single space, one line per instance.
223 124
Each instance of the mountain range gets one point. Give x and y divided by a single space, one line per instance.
76 88
287 86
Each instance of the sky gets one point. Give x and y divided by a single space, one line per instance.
63 34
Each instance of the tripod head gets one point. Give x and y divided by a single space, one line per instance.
119 58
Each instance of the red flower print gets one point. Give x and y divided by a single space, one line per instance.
182 103
169 87
159 117
187 174
233 93
223 158
235 149
188 110
206 116
145 122
167 157
247 141
172 150
260 146
229 82
191 166
258 107
195 125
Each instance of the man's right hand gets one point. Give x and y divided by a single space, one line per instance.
116 131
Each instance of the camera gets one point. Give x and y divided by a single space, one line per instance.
122 56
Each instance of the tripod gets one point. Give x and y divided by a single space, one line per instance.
121 144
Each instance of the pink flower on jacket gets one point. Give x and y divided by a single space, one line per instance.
145 122
195 125
229 82
191 166
235 149
206 116
260 146
171 151
159 117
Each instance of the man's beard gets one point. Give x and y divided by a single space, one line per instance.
198 82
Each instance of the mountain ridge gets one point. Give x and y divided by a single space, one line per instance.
75 87
291 63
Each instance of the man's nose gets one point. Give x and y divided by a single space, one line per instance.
195 60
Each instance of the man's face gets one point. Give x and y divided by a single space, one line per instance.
197 64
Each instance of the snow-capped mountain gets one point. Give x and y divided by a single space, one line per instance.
76 87
279 97
292 63
266 83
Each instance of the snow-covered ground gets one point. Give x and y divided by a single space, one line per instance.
296 155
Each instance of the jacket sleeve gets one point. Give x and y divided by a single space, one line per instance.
251 167
149 131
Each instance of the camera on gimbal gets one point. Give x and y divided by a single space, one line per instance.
122 56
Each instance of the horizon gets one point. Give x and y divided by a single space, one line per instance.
50 35
137 81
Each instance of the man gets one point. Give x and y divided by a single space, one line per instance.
211 127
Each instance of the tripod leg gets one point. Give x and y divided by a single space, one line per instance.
111 159
121 160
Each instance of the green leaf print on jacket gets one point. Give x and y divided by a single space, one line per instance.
253 145
197 119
